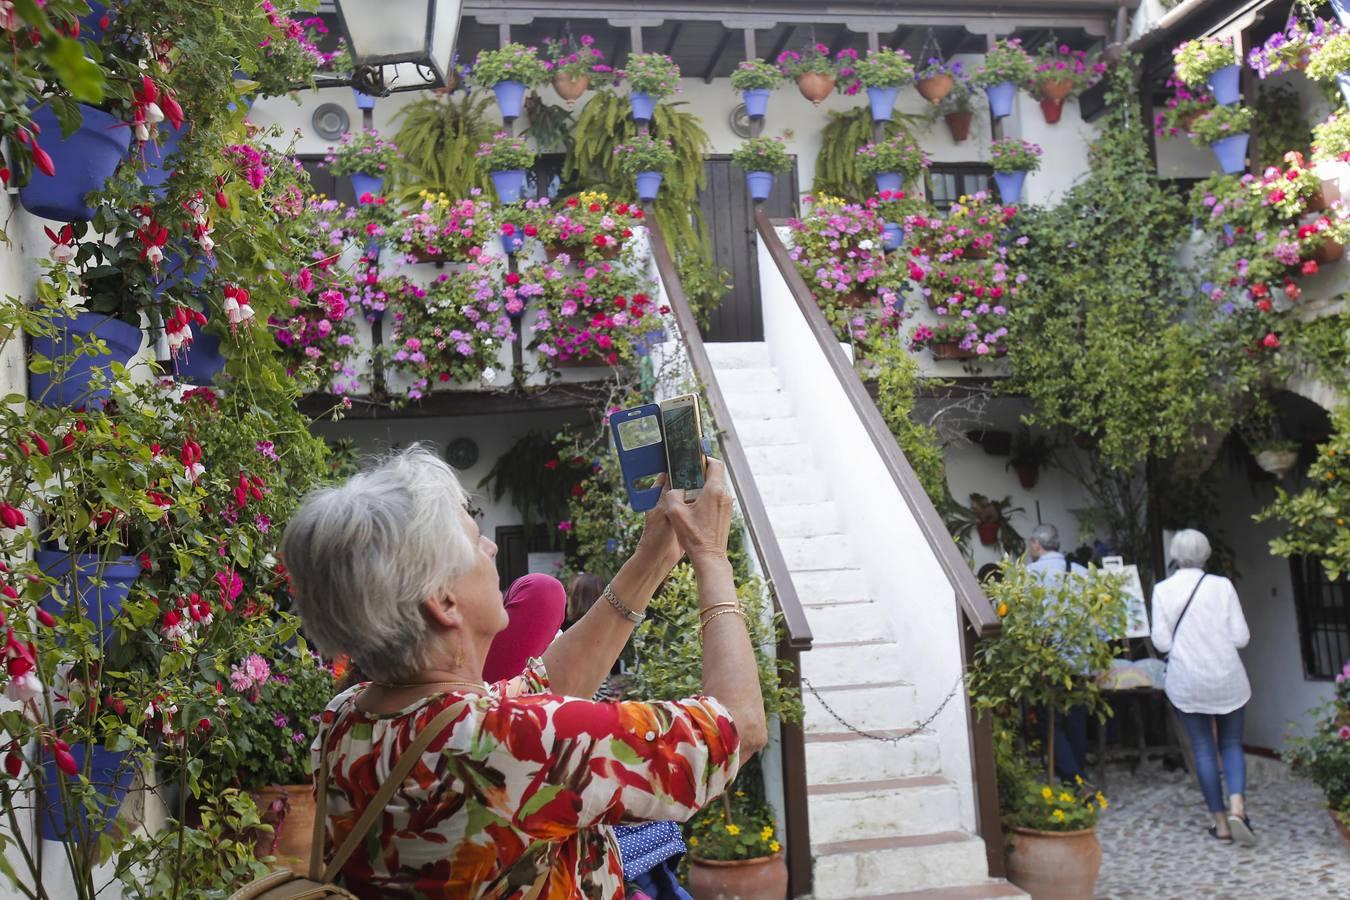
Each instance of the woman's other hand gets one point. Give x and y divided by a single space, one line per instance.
702 527
658 545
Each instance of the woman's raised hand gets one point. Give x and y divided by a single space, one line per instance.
702 527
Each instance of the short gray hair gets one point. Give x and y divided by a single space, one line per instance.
364 556
1190 549
1047 536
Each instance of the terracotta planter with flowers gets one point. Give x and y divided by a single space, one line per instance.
815 86
958 123
1052 109
570 87
290 810
1329 251
1056 89
935 89
951 350
1055 865
762 878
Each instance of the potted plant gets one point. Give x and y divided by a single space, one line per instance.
365 158
1061 72
651 77
891 162
575 64
1329 61
646 158
991 518
1006 66
733 845
579 322
761 159
509 71
1285 51
882 72
1210 62
1324 756
442 230
1012 159
813 70
435 338
506 159
1276 456
1226 131
587 226
957 110
935 79
1053 849
755 79
1181 110
1029 456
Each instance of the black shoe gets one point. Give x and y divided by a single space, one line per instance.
1214 833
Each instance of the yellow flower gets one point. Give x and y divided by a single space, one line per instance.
733 830
693 842
1101 799
766 833
1065 797
1002 610
774 847
1078 779
1047 793
1058 815
740 793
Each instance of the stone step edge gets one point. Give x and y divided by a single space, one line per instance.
978 891
864 686
833 737
898 842
873 787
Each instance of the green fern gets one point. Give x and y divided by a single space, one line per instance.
837 163
550 125
439 138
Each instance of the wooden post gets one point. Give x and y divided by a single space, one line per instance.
635 38
800 872
1250 96
988 824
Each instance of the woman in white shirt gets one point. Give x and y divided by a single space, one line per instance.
1198 620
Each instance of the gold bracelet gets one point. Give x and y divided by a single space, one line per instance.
723 612
631 615
704 612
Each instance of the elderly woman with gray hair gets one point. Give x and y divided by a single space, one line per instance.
1198 620
513 796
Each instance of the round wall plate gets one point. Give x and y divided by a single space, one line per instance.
739 120
461 453
330 121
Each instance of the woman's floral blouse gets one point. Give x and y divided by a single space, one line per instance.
522 783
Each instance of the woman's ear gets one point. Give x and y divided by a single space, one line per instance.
442 610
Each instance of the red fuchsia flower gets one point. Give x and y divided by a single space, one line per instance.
45 618
178 328
63 244
64 761
22 669
174 627
42 160
237 309
38 441
191 458
146 112
11 516
14 763
1271 341
153 238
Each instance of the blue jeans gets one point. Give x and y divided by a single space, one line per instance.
1071 743
1200 729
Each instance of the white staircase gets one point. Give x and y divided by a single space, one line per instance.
885 821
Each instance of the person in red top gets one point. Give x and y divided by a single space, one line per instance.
535 605
515 797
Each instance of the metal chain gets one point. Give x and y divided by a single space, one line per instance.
917 728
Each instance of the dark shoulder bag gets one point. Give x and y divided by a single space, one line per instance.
1177 626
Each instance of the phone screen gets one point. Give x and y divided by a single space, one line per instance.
683 448
640 432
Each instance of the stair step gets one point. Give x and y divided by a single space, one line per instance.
848 621
992 889
767 432
923 861
874 708
806 520
748 381
825 588
789 490
852 663
883 809
810 554
782 459
830 761
738 355
760 405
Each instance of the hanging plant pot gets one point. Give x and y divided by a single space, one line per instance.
157 169
1277 462
172 270
643 104
1052 110
68 382
1001 98
889 181
68 821
1010 186
570 87
815 86
643 343
363 184
290 810
958 123
756 102
1057 89
951 350
1061 864
892 236
509 183
988 532
510 96
512 242
82 163
1224 84
1027 473
363 101
1232 153
935 89
762 878
1329 251
648 185
882 100
201 362
77 574
760 185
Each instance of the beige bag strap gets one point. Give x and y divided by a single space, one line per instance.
375 808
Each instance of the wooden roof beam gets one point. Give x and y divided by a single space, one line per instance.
781 44
718 53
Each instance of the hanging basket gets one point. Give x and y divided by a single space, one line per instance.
815 86
1010 186
570 87
882 101
643 105
1001 98
509 184
1027 473
363 184
1225 85
935 89
1277 462
756 102
759 184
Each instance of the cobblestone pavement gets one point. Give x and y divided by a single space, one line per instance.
1154 843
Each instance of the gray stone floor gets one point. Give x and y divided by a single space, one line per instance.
1155 846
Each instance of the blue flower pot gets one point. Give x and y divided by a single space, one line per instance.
889 181
1010 186
363 184
110 776
511 243
760 185
509 183
1224 85
84 161
91 28
1001 98
892 236
158 166
201 362
644 342
883 102
756 102
510 96
99 604
363 101
648 185
171 271
643 106
67 384
1342 10
1232 153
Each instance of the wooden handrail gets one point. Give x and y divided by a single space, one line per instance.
797 632
975 606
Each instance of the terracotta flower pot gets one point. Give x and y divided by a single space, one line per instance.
1027 474
290 810
1055 865
765 878
1057 90
815 86
853 299
1188 120
1052 110
951 350
958 123
1328 192
570 87
936 88
1329 251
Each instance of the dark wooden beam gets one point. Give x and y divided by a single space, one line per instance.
840 40
718 53
577 395
898 37
674 36
620 43
781 44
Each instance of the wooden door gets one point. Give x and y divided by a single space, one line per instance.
731 226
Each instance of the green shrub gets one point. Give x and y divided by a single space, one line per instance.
514 62
762 154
